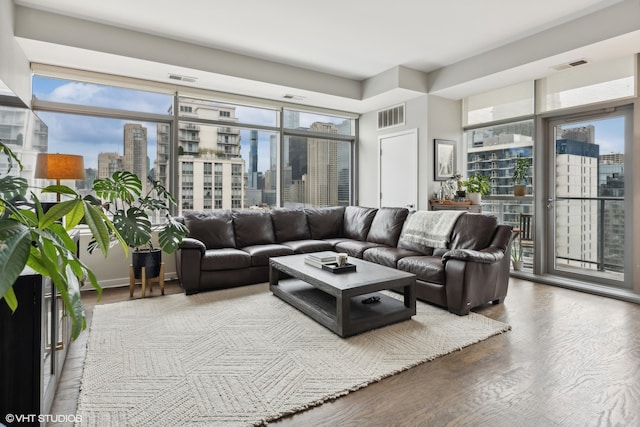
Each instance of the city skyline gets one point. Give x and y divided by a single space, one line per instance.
92 135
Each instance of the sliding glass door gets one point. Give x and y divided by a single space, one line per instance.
587 209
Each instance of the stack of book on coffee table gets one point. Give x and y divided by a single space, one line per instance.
318 259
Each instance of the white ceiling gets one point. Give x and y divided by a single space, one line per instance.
349 39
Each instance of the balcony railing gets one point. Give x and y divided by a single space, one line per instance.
608 233
190 126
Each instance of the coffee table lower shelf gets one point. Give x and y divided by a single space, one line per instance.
322 307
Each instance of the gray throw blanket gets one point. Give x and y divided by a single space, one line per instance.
430 228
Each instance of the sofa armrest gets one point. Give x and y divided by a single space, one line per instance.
191 243
493 253
489 255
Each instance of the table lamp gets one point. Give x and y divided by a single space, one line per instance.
59 166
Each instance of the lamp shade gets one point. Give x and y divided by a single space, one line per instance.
59 166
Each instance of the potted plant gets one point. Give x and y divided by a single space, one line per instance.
42 241
520 176
460 191
477 186
131 211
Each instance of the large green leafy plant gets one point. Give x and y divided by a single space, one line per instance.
130 210
42 241
520 170
478 183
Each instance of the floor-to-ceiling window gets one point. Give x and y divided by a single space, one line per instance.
578 139
499 130
212 154
317 159
493 151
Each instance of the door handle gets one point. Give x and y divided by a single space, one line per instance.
550 203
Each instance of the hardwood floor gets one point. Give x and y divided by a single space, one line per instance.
571 359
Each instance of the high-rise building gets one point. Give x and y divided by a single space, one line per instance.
27 136
322 162
108 163
210 167
134 158
576 215
253 160
162 153
493 152
611 183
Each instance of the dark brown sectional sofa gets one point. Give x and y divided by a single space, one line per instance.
227 248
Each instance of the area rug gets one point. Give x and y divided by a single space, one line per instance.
244 357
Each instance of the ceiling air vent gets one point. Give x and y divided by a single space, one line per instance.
570 65
390 117
182 78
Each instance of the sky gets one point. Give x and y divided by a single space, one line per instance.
609 133
87 135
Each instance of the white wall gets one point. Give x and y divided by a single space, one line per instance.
114 270
445 122
434 117
15 71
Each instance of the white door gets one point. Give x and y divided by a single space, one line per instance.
399 169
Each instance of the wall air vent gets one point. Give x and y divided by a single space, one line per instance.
390 117
571 64
294 97
182 78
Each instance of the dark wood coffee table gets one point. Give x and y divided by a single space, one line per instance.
335 300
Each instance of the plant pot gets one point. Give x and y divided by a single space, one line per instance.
149 259
519 190
474 198
517 265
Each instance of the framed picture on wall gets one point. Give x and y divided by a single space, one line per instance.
444 159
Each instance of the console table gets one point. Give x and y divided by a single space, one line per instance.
450 205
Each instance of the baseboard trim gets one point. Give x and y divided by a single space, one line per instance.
606 291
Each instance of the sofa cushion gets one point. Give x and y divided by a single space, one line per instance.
387 256
308 246
357 222
290 224
333 242
252 227
387 225
325 223
426 268
355 248
473 231
260 254
224 259
213 228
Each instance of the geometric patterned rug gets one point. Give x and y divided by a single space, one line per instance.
242 356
